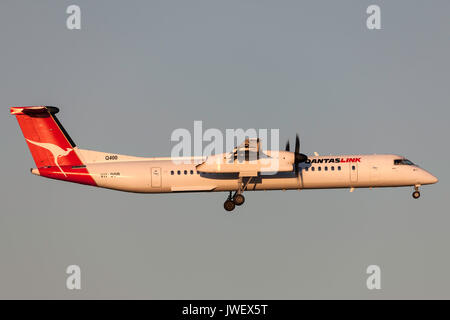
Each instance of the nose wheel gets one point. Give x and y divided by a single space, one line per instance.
416 193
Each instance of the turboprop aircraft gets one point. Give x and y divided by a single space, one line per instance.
246 168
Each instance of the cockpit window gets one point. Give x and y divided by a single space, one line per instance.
403 162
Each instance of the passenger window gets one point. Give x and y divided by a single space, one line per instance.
179 172
353 168
185 171
339 168
326 168
312 169
306 169
192 171
332 168
171 172
319 168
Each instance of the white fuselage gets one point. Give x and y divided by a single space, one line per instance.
247 167
158 175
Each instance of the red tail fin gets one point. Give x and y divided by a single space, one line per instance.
50 145
48 141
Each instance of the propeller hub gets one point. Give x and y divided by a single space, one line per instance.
300 157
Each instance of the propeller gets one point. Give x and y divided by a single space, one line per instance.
298 157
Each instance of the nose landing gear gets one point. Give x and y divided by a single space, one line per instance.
416 193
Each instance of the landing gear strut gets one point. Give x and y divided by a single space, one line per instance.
416 193
238 198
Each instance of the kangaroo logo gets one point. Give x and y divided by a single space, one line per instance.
56 151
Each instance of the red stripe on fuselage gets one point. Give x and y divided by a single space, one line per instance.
68 173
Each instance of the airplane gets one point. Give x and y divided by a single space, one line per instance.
246 168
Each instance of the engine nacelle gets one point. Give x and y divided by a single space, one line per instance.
271 161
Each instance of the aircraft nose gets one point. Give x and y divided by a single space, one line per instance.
434 179
429 178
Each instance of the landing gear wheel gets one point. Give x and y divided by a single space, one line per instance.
239 199
229 205
416 194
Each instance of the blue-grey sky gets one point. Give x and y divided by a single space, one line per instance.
137 71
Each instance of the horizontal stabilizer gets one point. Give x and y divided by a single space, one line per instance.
34 110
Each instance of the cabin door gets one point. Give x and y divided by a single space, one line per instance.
156 177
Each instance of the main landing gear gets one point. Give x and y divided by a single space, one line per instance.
233 201
416 193
238 198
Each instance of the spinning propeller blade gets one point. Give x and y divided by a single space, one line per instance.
298 157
